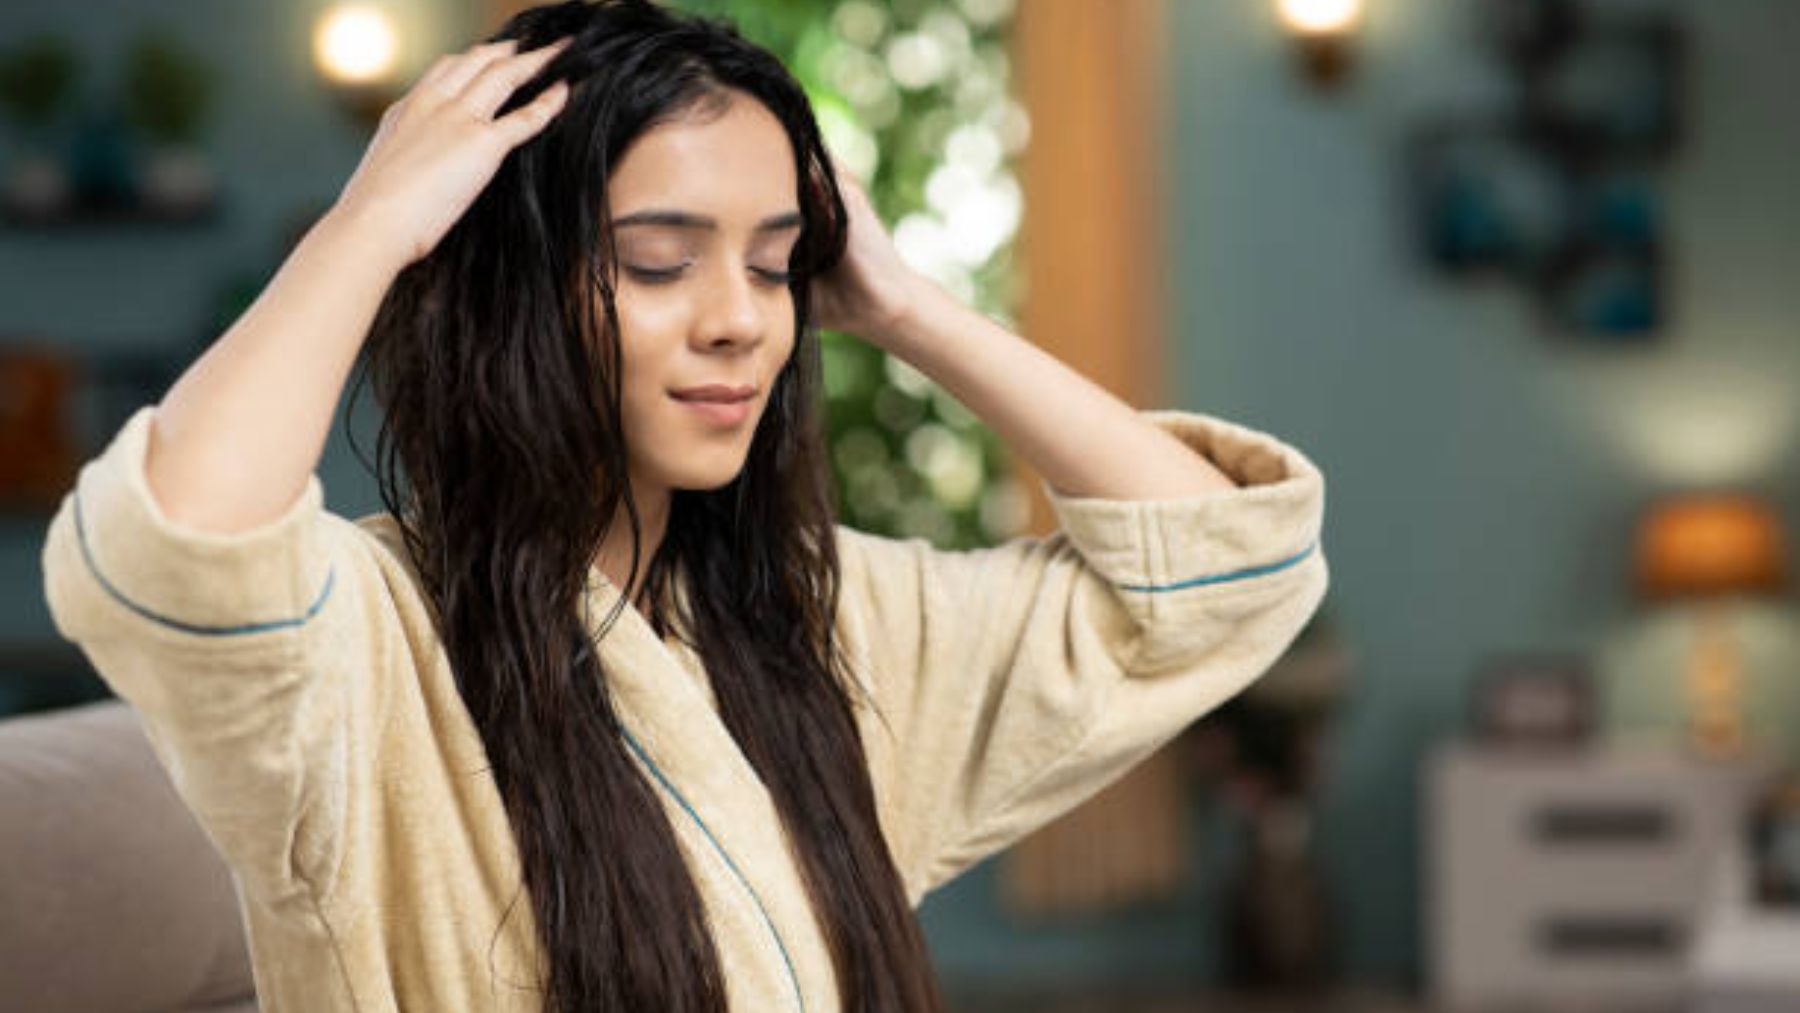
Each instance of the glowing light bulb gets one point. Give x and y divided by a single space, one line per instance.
355 45
1320 17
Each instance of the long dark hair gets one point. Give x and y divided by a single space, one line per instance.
501 399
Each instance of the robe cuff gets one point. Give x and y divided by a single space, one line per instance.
184 580
1161 553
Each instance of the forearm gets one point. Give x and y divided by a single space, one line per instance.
1082 439
239 433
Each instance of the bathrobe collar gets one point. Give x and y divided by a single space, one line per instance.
692 759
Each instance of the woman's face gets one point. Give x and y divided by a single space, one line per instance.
705 216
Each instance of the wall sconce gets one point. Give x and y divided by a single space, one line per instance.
356 49
1323 34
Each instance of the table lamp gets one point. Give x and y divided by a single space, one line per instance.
1710 549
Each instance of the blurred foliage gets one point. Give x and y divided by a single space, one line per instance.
168 89
914 96
37 76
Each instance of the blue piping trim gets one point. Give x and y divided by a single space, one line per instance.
212 631
1244 574
779 944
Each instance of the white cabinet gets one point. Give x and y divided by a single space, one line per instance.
1571 877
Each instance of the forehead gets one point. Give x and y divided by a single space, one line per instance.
736 165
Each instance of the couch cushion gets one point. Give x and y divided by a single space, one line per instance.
115 900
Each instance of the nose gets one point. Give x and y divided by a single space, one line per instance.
731 313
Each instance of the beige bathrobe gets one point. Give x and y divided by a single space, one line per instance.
290 681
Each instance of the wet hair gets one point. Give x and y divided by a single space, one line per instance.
500 389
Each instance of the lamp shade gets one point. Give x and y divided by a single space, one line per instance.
1701 546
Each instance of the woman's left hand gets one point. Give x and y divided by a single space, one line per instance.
869 290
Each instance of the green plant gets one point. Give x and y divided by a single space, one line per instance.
168 89
36 77
913 95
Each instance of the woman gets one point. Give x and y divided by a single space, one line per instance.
606 712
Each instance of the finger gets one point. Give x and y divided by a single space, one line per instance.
495 83
452 72
522 123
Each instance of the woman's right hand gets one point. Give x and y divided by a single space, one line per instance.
439 144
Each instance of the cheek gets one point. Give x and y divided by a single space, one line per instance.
649 321
783 324
646 341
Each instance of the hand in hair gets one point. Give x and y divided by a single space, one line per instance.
440 143
868 291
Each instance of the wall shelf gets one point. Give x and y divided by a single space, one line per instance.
98 214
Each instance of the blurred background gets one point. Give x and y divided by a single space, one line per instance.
1519 275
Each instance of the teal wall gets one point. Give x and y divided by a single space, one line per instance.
1481 478
283 151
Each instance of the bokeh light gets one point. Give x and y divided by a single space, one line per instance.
356 45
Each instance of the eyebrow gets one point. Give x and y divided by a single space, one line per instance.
689 220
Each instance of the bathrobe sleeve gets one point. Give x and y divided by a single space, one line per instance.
1016 681
252 659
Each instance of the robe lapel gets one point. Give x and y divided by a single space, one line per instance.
661 700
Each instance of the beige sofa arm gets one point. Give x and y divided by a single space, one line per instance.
114 899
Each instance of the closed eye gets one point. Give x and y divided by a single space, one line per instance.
664 275
655 275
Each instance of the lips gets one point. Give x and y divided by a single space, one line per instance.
728 414
715 392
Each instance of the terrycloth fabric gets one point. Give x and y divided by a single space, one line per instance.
290 680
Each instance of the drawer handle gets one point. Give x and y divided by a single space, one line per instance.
1588 823
1644 936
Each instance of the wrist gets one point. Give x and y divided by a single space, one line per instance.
908 319
356 233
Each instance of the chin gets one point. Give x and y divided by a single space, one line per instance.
705 486
706 479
